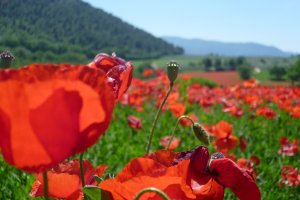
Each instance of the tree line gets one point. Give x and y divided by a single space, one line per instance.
71 31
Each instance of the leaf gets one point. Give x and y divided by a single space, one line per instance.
93 192
97 178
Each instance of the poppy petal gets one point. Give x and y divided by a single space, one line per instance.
51 112
240 182
118 70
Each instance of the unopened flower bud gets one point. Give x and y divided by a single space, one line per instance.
172 69
6 59
201 133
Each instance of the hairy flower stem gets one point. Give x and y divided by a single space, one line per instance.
45 180
157 116
82 172
178 120
151 189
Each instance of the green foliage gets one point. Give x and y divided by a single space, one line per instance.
277 73
207 62
120 144
232 64
203 82
93 192
245 71
64 29
294 72
218 64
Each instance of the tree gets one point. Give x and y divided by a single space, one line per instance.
240 60
218 64
232 64
245 71
207 64
277 73
294 72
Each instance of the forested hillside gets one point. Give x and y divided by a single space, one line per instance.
71 31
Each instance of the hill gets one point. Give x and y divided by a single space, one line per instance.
205 47
71 31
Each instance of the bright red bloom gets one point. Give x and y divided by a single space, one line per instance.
223 129
182 175
147 72
289 176
251 83
288 148
186 122
177 109
295 111
224 141
243 143
49 112
232 108
134 122
174 143
118 70
64 180
249 164
266 112
224 145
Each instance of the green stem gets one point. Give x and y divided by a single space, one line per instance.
173 135
151 189
45 180
157 117
82 172
81 169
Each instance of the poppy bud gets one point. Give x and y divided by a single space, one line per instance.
201 133
172 69
6 59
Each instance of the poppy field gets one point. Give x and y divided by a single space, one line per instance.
236 141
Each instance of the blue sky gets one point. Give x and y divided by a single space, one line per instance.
270 22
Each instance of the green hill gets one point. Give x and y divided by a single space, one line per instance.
71 31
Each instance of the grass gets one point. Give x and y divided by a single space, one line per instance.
120 144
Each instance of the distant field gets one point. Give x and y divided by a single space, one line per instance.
193 66
186 61
226 78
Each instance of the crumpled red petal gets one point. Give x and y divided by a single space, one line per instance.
240 182
118 70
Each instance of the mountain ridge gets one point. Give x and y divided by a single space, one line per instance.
198 46
72 31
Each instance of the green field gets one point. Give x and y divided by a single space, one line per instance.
121 143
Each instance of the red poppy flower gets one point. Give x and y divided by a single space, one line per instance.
174 143
266 112
223 129
234 110
251 83
51 112
186 122
249 164
118 70
295 111
147 72
182 175
64 180
288 148
134 122
289 176
243 143
177 109
224 145
224 141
